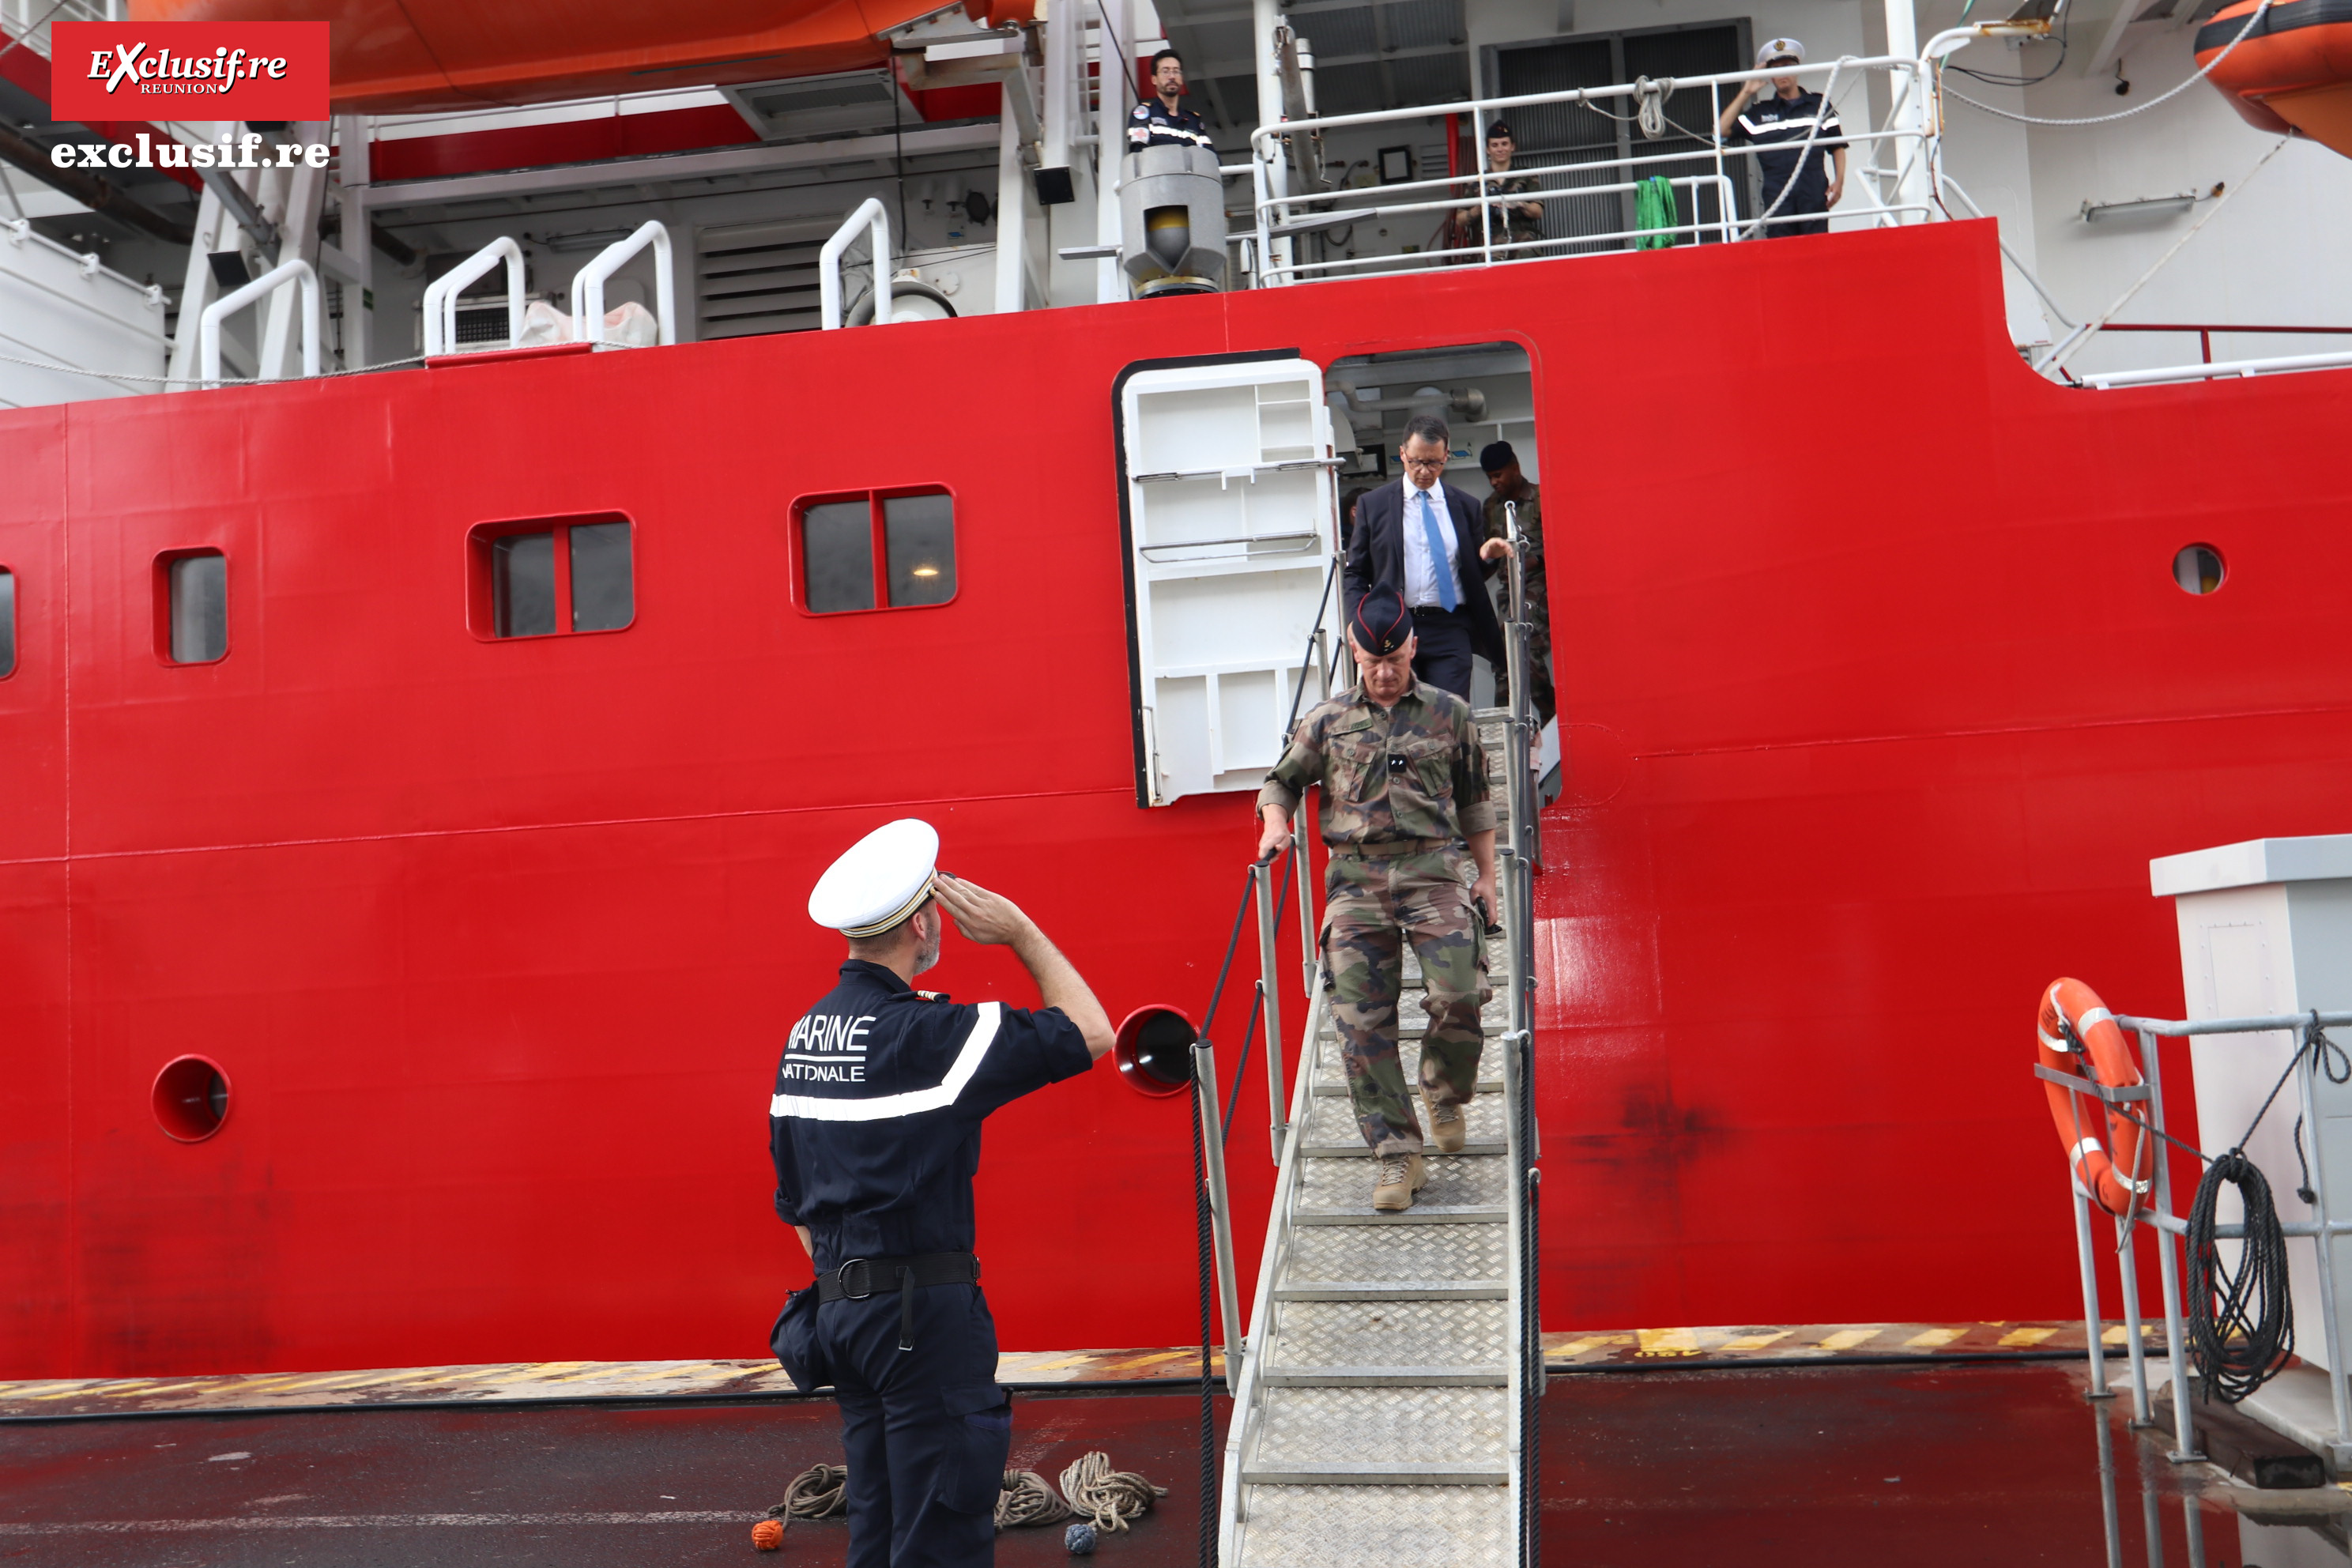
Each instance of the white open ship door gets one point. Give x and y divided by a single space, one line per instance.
1230 521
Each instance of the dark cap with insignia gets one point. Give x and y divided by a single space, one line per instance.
1380 624
1496 456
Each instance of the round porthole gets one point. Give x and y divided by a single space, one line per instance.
2199 570
191 1098
1154 1051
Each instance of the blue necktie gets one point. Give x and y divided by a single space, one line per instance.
1439 563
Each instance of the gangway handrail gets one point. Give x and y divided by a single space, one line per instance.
293 269
588 284
1520 1144
873 215
441 295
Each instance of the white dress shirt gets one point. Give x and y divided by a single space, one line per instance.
1419 575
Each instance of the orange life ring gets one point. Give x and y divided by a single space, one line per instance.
2075 1028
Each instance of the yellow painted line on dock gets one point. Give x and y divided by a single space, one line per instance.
2118 1335
1846 1339
1932 1339
1667 1341
2024 1338
1756 1342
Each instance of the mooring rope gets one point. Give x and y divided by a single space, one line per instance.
1027 1499
821 1492
1110 1498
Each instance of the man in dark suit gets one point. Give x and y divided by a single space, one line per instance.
1422 538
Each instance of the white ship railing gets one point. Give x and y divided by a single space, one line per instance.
1890 179
441 298
293 271
873 216
588 284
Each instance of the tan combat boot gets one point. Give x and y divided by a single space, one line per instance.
1400 1176
1447 1126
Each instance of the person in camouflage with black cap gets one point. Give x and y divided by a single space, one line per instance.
1404 786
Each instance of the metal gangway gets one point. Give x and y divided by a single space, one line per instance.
1384 1392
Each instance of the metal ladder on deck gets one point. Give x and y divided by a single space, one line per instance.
1384 1408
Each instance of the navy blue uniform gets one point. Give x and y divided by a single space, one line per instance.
1778 126
874 1131
1152 123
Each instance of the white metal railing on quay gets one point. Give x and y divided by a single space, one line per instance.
1896 190
2323 1229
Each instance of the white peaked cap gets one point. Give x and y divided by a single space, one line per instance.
879 880
1775 47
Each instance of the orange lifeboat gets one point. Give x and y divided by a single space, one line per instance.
2293 71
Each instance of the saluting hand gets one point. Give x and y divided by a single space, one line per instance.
990 919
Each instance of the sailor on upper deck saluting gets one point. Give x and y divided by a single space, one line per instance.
875 1130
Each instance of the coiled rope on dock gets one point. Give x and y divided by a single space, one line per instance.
1027 1500
821 1492
1110 1498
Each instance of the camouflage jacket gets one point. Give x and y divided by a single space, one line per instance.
1414 771
1530 519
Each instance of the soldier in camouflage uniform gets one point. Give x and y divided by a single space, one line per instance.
1509 485
1404 784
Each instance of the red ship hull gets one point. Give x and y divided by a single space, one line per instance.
1876 711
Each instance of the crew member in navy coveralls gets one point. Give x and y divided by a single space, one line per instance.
1156 121
874 1128
1779 125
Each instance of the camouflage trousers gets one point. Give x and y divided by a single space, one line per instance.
1538 662
1374 906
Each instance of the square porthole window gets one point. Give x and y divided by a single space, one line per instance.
192 607
7 623
546 576
878 549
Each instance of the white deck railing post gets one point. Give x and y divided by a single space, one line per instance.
208 326
870 214
588 286
441 298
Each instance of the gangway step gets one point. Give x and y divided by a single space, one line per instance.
1332 1128
1340 1090
1419 1525
1420 1213
1387 1290
1331 1075
1344 1186
1404 1474
1496 1376
1382 1437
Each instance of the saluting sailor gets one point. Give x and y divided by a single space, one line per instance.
874 1128
1156 121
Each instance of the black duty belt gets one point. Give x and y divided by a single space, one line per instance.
861 1277
1388 847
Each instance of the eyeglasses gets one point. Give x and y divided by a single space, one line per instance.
1425 462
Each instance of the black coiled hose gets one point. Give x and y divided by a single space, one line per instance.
2240 1320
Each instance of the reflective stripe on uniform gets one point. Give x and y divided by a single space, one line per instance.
913 1102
